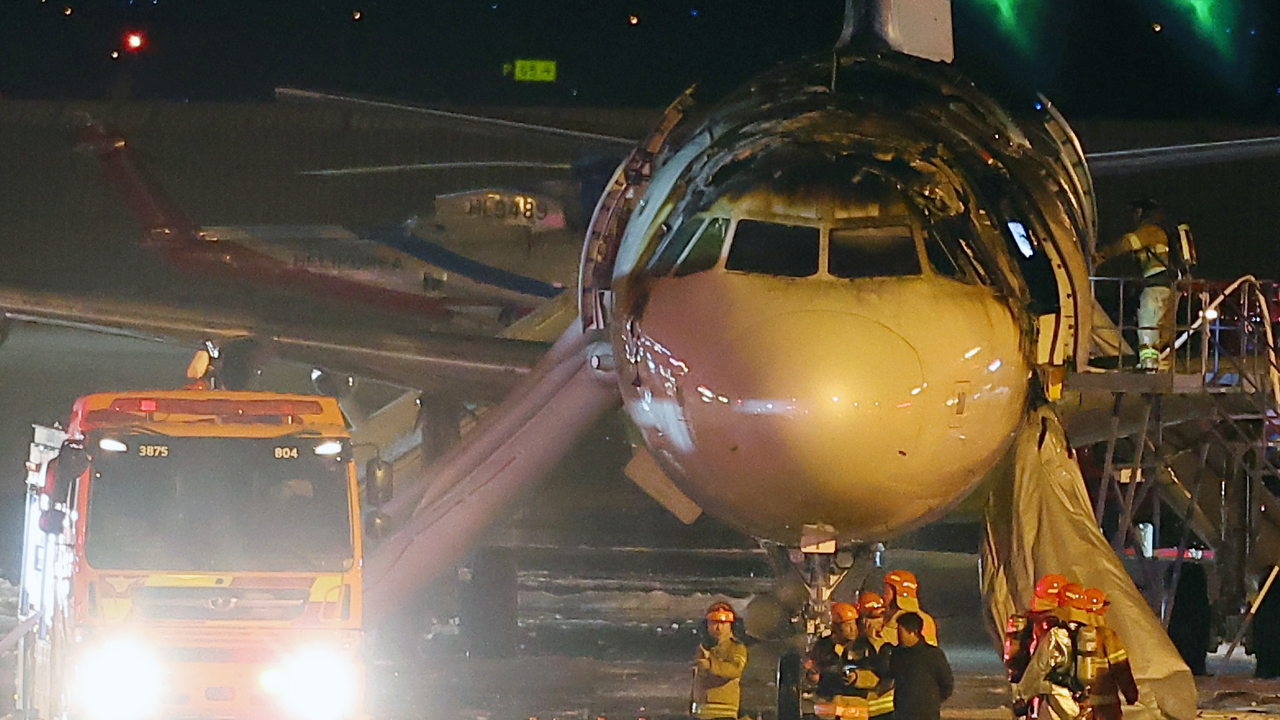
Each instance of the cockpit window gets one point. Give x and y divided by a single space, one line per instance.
675 246
705 252
774 249
888 251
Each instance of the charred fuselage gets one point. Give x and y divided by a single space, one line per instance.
826 305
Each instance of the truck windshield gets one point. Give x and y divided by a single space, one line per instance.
226 504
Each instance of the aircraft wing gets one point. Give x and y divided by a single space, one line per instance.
1123 162
480 367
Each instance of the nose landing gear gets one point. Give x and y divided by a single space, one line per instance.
821 565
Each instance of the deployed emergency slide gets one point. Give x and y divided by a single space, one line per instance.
515 445
1039 520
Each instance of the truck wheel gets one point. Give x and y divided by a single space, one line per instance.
789 687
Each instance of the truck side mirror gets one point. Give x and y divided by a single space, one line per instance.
51 521
378 482
72 462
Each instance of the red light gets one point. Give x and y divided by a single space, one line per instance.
134 41
147 405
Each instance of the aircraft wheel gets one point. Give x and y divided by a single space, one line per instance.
789 673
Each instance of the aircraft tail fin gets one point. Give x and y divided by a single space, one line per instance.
918 27
914 27
162 220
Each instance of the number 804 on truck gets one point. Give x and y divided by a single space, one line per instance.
194 554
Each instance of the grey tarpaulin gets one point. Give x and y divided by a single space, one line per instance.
1039 520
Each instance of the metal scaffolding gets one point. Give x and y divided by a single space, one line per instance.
1188 471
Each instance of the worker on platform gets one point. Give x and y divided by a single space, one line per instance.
851 672
717 667
902 595
1103 663
1148 243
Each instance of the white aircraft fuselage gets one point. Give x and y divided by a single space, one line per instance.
822 315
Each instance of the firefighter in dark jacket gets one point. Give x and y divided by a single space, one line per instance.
921 674
717 668
850 670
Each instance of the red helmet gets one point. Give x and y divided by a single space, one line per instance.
1050 586
720 612
843 612
1095 600
1072 596
871 604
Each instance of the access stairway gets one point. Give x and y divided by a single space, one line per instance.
1181 462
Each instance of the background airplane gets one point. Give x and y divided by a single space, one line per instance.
482 255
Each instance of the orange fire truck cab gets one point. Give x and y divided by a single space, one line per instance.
193 554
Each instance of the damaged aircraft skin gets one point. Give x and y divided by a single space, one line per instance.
820 302
845 295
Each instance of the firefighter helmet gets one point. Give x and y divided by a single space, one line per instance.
1050 586
720 612
1095 600
843 612
903 583
906 590
1072 596
871 605
1048 592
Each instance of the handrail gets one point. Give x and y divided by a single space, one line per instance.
1273 368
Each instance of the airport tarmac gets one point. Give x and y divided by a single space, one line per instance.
603 631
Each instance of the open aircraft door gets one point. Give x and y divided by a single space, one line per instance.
1063 336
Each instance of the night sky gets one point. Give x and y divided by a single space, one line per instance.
1112 58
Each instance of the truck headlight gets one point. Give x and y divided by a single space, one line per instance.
121 679
317 683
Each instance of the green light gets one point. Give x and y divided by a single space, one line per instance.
1212 21
1015 18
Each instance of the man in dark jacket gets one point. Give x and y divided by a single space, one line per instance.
920 671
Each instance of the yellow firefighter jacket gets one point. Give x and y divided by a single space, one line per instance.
717 686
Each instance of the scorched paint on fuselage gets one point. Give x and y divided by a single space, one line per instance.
825 302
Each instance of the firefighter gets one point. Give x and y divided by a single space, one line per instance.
718 666
1148 243
902 595
1048 688
851 670
1105 669
1022 631
871 617
872 613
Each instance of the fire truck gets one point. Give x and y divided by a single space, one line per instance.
194 554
